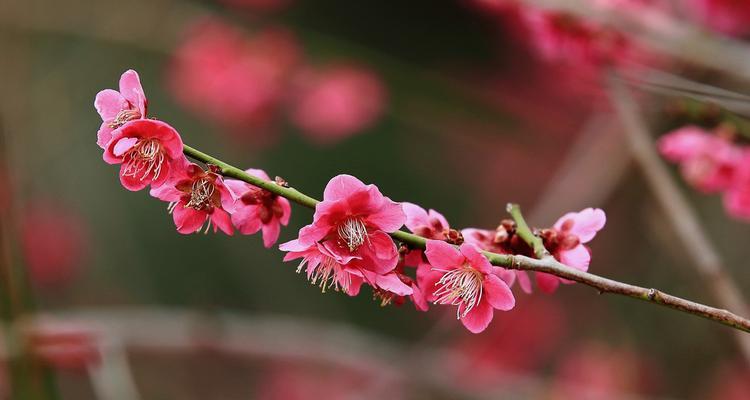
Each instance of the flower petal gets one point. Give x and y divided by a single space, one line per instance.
498 293
341 186
475 258
577 257
444 256
478 318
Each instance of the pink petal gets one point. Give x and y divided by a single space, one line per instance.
475 258
131 89
271 233
436 215
103 135
286 210
524 281
393 284
236 187
416 216
131 183
341 186
379 253
223 221
389 218
444 256
419 299
577 257
187 219
478 318
109 103
547 283
683 143
246 219
585 223
123 145
498 293
293 245
258 173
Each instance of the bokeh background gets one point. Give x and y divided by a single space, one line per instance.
459 106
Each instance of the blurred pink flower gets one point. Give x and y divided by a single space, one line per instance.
148 151
117 108
595 371
707 161
64 345
730 17
730 382
238 81
197 198
562 37
737 196
494 242
566 243
256 208
54 243
467 280
337 102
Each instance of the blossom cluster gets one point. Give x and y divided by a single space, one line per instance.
244 82
712 162
347 244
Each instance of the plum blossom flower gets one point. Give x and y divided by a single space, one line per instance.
497 242
566 241
336 102
231 78
707 161
147 151
258 209
730 17
737 196
197 198
327 268
559 36
467 280
54 242
117 108
348 239
427 224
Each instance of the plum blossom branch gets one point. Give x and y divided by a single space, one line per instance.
544 264
525 233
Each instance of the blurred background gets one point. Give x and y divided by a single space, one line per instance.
458 105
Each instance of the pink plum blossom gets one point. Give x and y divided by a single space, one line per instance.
258 209
467 280
730 17
197 198
336 102
117 108
54 242
147 151
561 37
427 224
707 161
327 268
737 196
234 79
566 241
348 238
491 241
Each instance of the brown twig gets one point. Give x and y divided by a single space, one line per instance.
702 254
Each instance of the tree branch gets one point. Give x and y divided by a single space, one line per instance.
547 264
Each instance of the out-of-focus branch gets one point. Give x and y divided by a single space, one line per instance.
702 254
547 264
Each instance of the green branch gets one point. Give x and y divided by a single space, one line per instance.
544 263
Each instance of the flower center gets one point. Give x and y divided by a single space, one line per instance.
124 116
144 159
354 232
200 194
460 287
325 275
